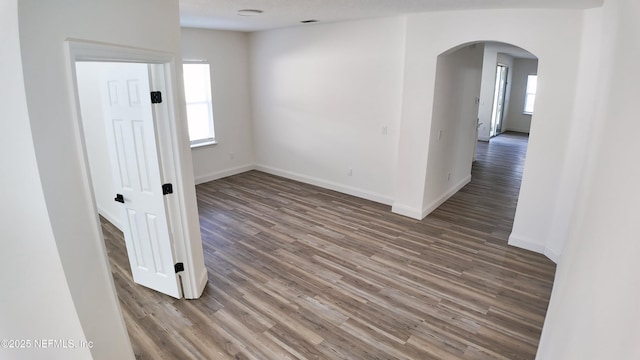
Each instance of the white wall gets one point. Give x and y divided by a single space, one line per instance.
594 312
553 36
228 54
453 125
93 124
515 119
327 99
44 26
36 301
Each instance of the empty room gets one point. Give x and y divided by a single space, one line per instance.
304 180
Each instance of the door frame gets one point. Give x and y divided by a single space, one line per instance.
499 122
170 138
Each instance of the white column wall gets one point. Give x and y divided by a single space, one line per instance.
594 312
36 301
453 128
44 27
93 124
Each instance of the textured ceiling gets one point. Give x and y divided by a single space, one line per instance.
222 14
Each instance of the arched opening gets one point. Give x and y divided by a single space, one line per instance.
480 94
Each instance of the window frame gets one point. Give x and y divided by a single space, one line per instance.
527 95
209 102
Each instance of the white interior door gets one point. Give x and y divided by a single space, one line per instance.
134 157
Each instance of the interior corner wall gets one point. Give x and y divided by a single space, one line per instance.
487 89
95 136
453 125
35 297
44 27
228 54
516 119
326 104
554 37
593 312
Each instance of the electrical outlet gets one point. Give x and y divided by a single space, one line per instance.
384 130
439 134
350 172
448 176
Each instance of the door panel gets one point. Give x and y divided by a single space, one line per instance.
134 157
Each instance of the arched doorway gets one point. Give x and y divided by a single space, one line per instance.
473 100
460 113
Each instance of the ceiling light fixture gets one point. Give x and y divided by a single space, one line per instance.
309 21
249 12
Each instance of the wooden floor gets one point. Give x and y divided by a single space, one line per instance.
299 272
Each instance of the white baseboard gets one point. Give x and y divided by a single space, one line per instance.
201 283
221 174
523 130
527 244
407 211
364 194
444 197
552 254
115 220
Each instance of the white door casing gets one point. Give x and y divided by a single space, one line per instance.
131 136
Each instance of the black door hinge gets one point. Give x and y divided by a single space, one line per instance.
156 97
179 267
167 189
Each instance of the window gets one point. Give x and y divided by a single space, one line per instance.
197 91
530 97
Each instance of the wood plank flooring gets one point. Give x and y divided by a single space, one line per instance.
299 272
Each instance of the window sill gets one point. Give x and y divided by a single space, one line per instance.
204 144
527 113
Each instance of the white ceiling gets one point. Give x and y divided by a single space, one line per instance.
222 14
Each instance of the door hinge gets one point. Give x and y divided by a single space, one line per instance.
179 267
156 97
167 189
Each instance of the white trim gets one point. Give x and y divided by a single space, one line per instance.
552 254
407 211
531 245
364 194
444 197
223 173
201 281
203 143
163 78
112 219
520 130
524 243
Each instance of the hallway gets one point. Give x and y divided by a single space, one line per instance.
487 205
